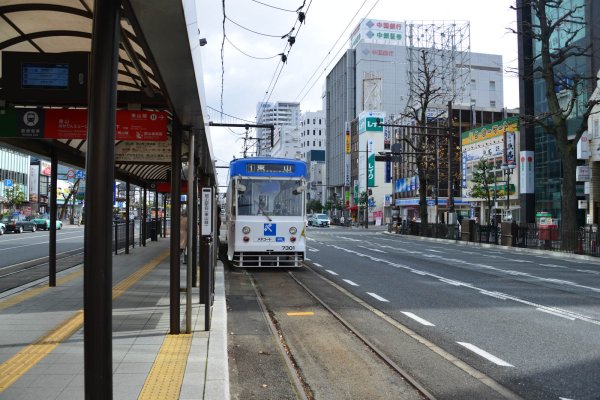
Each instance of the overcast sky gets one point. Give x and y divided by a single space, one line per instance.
246 79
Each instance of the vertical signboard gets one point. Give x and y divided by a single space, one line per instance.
526 176
347 142
371 165
206 213
34 179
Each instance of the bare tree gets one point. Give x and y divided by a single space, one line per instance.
427 89
557 31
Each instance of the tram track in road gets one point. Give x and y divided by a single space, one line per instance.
24 273
302 383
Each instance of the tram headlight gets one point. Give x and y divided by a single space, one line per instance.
246 239
293 239
246 230
293 230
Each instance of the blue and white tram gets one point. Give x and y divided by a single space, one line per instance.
266 212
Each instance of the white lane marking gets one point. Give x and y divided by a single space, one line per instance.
451 282
33 244
588 271
39 258
485 354
558 314
349 282
317 265
414 271
378 297
310 239
331 272
313 250
435 251
417 318
350 239
565 398
554 266
493 294
377 250
307 259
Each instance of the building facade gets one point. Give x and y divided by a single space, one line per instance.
374 76
14 173
280 113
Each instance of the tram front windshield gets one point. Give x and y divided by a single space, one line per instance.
270 197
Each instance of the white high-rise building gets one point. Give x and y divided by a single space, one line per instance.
280 114
313 142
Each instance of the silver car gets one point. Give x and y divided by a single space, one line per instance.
320 220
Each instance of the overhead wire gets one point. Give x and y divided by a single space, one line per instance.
223 58
249 55
332 47
269 5
258 33
229 115
333 58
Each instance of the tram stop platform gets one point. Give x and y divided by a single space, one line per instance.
41 336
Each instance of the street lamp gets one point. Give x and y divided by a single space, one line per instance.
507 170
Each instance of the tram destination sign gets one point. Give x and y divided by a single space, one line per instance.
267 168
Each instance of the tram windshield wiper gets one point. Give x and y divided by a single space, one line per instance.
263 212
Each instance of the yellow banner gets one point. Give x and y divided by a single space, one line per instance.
347 142
490 131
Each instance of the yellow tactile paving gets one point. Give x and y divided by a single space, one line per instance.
28 294
24 360
166 376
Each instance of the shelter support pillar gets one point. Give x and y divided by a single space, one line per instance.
53 213
145 218
175 222
98 366
127 202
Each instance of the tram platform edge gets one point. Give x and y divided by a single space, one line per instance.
140 336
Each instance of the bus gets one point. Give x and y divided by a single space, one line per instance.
266 212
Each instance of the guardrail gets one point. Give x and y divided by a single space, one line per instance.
119 235
585 240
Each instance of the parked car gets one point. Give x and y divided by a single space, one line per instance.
320 220
309 218
18 224
44 223
2 228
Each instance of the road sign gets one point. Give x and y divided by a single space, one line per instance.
8 183
70 174
79 174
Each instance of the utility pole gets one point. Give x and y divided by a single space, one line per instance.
367 187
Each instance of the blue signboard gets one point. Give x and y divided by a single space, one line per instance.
270 230
8 182
79 174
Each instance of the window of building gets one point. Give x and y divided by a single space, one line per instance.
473 84
314 121
319 143
307 121
314 143
319 132
319 121
314 132
492 85
472 102
307 142
493 103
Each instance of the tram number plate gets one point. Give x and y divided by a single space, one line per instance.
288 248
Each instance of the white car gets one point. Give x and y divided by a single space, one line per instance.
320 220
2 228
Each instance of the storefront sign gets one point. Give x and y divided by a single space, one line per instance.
143 151
379 32
583 173
526 172
583 147
367 121
34 179
371 165
347 142
206 213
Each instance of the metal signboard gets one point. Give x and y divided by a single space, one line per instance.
583 173
206 213
526 172
8 183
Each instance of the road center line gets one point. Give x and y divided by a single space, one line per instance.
377 250
557 314
417 318
485 354
317 265
349 282
378 297
331 272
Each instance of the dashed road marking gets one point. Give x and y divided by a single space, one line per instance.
313 250
378 297
555 313
317 265
300 314
417 318
349 282
485 354
377 250
435 251
331 272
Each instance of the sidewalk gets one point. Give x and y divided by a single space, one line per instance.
41 336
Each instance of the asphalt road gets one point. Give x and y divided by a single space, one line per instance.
529 321
28 246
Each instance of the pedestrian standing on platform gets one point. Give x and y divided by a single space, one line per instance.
183 234
342 220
